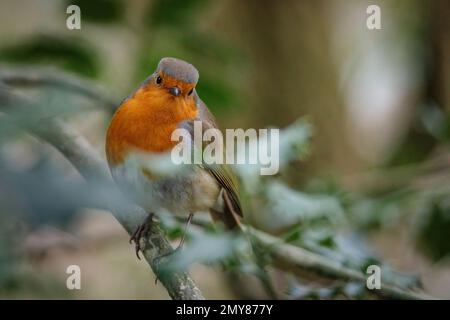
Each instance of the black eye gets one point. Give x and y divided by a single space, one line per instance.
190 92
158 80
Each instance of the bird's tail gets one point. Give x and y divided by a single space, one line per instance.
232 221
228 215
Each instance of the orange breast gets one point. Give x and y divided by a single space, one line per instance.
145 122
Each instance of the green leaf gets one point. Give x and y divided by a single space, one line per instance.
174 13
101 11
205 248
433 229
286 207
294 141
64 52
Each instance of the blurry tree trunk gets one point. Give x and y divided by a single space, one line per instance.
292 75
434 61
438 71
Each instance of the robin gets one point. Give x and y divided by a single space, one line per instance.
144 123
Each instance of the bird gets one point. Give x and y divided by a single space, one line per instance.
143 124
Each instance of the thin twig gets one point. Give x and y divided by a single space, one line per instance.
30 77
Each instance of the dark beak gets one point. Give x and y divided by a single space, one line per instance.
175 91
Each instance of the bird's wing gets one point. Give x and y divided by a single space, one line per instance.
223 175
227 181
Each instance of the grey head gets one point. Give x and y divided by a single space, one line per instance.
178 69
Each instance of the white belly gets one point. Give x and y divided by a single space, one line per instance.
182 193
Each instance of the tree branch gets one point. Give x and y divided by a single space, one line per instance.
31 77
297 260
301 262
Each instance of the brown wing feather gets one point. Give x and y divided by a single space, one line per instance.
224 177
226 180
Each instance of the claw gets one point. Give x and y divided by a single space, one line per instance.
140 232
137 248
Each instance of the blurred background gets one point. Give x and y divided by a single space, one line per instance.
378 102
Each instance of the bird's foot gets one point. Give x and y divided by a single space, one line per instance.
140 232
178 248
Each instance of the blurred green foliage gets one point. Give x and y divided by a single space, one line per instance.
65 53
433 229
162 37
174 13
157 36
100 11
